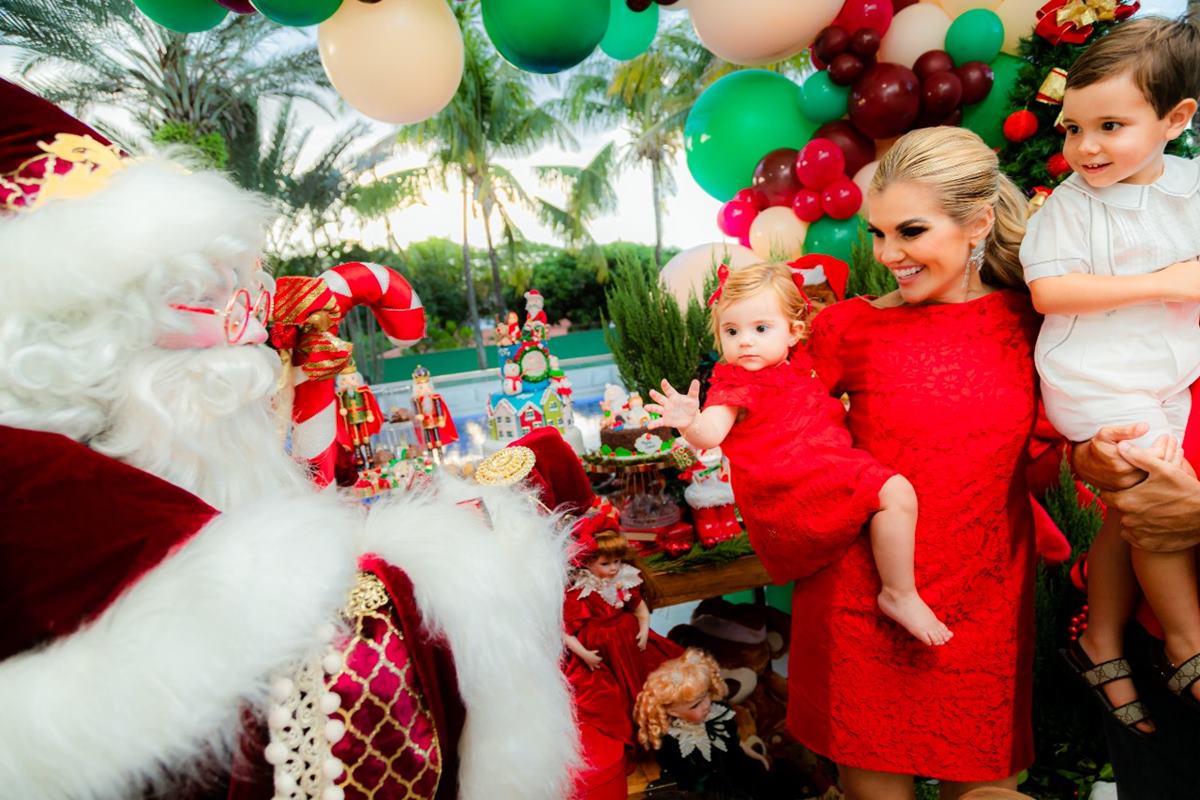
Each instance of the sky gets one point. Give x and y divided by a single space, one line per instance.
689 217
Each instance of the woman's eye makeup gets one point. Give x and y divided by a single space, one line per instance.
912 231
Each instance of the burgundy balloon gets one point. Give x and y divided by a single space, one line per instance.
941 93
885 101
816 59
806 205
638 5
734 218
858 150
897 5
831 42
841 199
977 78
864 42
238 6
932 62
846 68
820 163
775 176
927 120
752 196
876 14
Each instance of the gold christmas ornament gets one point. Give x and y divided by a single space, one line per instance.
1054 85
505 467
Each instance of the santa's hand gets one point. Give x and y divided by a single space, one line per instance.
1162 513
675 410
592 658
643 637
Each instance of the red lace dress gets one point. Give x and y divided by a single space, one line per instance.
945 395
803 490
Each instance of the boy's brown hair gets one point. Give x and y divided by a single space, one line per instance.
1161 55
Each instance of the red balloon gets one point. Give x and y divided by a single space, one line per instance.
842 198
734 218
876 14
931 62
238 6
857 149
977 78
775 176
752 196
846 68
830 42
820 163
885 101
864 43
1020 125
941 93
807 205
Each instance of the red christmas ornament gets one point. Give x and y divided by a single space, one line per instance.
1020 125
1057 165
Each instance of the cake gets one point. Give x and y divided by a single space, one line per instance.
624 430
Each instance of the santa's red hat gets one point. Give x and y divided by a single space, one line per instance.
81 221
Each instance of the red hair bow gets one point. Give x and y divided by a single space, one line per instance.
722 274
584 533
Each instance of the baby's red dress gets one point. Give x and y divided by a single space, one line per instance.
945 395
803 490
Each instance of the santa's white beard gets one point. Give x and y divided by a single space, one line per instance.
202 420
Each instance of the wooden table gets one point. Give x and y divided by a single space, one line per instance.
670 588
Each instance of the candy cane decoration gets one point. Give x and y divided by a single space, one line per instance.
400 314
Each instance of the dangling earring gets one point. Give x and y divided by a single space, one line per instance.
974 261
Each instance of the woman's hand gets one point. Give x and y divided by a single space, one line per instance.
1162 513
1099 462
675 410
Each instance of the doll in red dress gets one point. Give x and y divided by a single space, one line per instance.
795 474
607 623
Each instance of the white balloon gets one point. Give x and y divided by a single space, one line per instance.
777 234
955 7
686 273
754 32
862 179
1019 18
916 29
398 62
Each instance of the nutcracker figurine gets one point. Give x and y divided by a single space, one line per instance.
434 425
358 415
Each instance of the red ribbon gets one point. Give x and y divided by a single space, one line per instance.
722 275
1049 28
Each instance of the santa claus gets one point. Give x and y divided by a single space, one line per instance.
166 568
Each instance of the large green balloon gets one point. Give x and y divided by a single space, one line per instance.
833 237
824 101
987 117
737 121
975 35
297 13
629 32
184 16
545 36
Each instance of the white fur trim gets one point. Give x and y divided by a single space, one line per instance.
708 494
152 687
496 596
71 252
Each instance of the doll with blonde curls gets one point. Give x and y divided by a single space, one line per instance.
694 736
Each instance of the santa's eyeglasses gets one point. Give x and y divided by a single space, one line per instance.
237 313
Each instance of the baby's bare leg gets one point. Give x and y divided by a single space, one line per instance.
1169 582
893 541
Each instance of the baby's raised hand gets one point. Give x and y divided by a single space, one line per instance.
675 410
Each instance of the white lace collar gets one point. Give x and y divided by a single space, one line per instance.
614 591
694 736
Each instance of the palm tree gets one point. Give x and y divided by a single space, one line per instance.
590 193
86 52
493 115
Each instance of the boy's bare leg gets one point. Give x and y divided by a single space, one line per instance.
1168 581
893 542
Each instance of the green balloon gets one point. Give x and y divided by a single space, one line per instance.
297 13
629 32
833 237
737 121
824 101
987 117
545 36
975 35
184 16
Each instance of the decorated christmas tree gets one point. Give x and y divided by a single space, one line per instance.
1032 156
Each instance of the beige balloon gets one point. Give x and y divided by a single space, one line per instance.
754 32
686 273
777 234
862 179
1019 18
398 62
955 7
916 29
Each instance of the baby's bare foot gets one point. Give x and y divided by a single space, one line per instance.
908 609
